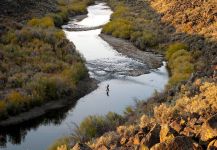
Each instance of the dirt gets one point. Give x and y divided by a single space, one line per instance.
84 88
125 47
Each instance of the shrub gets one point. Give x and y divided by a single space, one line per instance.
179 62
75 73
148 38
48 88
135 36
202 103
175 47
73 7
128 110
78 8
120 28
120 11
17 80
3 109
17 102
180 53
44 22
15 98
9 37
58 19
59 142
61 2
2 106
64 14
94 126
51 67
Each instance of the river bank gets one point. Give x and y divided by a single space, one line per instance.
84 87
153 60
57 77
104 64
184 115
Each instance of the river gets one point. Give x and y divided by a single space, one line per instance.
105 65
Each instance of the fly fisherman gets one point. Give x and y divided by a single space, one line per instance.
107 89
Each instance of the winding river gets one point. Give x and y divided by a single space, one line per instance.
105 65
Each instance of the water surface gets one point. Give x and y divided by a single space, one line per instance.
107 66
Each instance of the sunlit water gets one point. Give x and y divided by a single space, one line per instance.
106 65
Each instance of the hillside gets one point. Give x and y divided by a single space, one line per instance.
37 63
183 117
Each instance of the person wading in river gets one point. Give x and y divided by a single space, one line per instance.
107 89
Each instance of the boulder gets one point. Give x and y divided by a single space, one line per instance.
167 133
192 122
152 137
212 145
209 129
130 141
138 137
176 126
123 140
159 146
136 140
196 146
182 143
81 146
189 132
103 147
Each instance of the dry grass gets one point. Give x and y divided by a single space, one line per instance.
202 104
185 16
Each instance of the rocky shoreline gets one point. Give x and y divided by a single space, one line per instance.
153 60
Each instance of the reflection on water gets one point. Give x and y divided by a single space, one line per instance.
16 134
104 64
97 15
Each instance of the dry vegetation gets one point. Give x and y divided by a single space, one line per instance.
190 16
38 63
141 26
184 115
189 122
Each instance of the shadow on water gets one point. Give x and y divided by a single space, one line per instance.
16 134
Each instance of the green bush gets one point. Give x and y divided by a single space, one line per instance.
120 11
78 8
73 7
64 14
9 37
175 47
176 78
180 63
75 73
149 38
180 53
120 28
48 88
58 19
135 35
94 126
3 109
16 102
44 22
